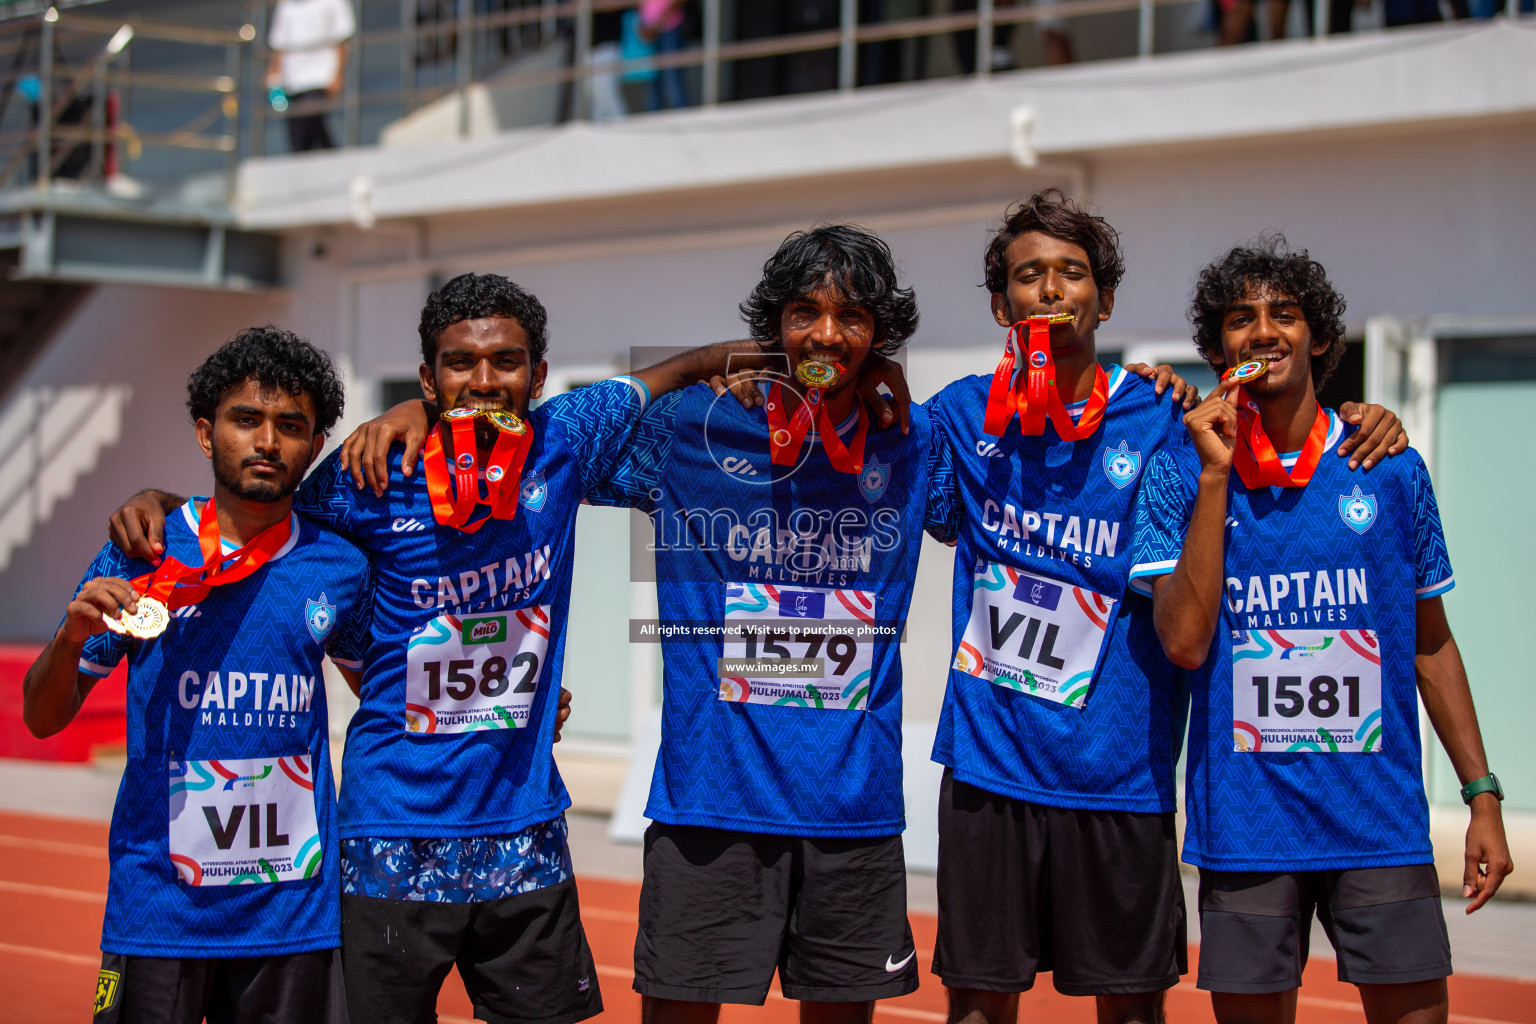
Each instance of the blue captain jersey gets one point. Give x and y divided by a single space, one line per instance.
738 538
234 679
453 736
1060 511
1338 563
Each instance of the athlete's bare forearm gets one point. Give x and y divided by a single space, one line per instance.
54 688
701 364
1186 603
1447 695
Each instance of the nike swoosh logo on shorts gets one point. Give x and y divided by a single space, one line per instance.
892 968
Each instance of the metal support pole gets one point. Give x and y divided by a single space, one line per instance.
234 66
45 103
1512 9
99 122
983 37
847 47
258 145
1320 16
409 40
463 52
351 89
711 67
581 87
1144 25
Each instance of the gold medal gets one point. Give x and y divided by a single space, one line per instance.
814 373
1253 369
146 624
507 422
1055 318
461 413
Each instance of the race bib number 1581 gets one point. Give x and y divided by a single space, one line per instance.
1299 690
475 671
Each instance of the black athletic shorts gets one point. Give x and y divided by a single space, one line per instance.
523 958
301 988
1385 924
719 911
1092 896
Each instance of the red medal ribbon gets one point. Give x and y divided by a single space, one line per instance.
786 435
1032 393
177 585
503 471
1254 456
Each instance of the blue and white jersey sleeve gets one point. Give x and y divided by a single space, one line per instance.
348 643
329 497
1433 569
945 514
104 650
1161 519
593 422
636 475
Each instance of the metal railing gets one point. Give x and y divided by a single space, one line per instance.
89 98
78 113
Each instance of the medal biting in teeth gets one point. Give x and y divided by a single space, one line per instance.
1253 369
1055 318
814 373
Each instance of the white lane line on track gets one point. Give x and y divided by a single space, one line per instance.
52 846
51 954
53 891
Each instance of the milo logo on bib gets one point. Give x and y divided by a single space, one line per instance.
485 631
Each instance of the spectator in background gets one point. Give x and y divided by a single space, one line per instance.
661 24
309 55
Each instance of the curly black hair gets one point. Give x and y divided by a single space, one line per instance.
1269 263
854 261
480 297
1053 212
273 358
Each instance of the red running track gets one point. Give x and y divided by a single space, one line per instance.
53 882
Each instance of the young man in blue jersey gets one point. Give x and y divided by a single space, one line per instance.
1061 721
785 535
222 901
1305 598
454 848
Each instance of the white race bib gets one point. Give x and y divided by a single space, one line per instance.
475 671
1034 634
1306 690
824 640
246 821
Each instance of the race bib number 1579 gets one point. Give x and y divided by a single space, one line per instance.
475 671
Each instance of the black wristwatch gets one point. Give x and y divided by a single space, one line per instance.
1487 784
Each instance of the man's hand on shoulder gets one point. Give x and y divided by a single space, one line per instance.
137 528
365 452
1381 434
1180 390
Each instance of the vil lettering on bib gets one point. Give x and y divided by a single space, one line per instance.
468 672
234 822
823 640
1306 690
1034 634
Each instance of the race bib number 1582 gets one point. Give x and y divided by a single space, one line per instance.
475 671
